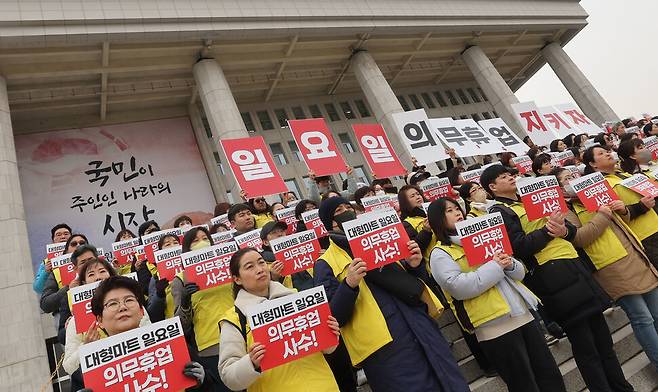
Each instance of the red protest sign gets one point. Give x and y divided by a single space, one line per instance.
641 184
123 250
559 158
297 252
80 299
317 146
54 250
483 237
593 191
250 239
149 358
523 164
378 151
575 173
150 241
471 175
651 144
169 262
253 166
383 202
541 196
209 267
65 267
292 327
312 221
434 188
378 238
287 216
222 236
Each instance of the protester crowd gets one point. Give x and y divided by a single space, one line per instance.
565 271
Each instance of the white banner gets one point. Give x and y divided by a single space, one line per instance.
417 136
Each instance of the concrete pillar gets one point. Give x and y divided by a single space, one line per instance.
381 98
580 88
494 86
221 111
207 155
23 360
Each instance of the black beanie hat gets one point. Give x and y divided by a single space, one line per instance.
327 209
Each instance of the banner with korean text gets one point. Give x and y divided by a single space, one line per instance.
209 267
541 196
378 151
593 191
483 237
168 261
533 123
434 188
124 250
297 252
249 239
641 184
317 146
312 221
421 142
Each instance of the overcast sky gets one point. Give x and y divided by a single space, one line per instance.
617 52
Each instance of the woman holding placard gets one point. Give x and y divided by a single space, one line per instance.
635 157
240 356
491 301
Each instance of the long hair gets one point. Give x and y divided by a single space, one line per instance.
437 218
588 159
625 150
405 207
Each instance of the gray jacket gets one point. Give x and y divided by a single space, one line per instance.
314 192
52 295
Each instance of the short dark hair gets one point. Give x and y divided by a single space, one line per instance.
588 158
300 208
182 218
162 239
191 235
554 145
222 208
57 227
144 226
361 193
437 218
121 233
113 283
539 161
236 209
318 179
82 249
83 270
68 242
490 174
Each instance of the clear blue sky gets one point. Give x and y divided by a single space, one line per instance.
617 51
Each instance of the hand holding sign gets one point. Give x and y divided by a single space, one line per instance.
483 238
356 272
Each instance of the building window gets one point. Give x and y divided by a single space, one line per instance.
298 112
218 162
473 95
248 122
482 94
295 151
428 100
346 142
362 108
331 111
403 103
451 97
476 117
292 186
277 154
439 98
415 101
315 111
347 110
495 114
486 115
281 117
462 96
265 120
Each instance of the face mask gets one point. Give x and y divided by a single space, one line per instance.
346 216
323 189
643 157
186 226
615 156
200 245
581 168
380 193
569 192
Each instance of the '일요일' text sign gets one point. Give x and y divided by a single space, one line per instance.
434 188
593 191
209 267
483 237
541 196
297 252
641 184
312 221
169 262
292 327
123 250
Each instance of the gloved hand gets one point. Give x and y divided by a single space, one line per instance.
160 287
188 290
195 370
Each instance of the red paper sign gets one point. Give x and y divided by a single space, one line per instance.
54 250
253 167
150 241
651 144
209 267
150 358
80 298
641 184
297 252
250 240
383 202
65 267
483 237
317 146
292 327
541 196
378 151
593 191
575 173
312 221
123 250
559 158
434 188
287 216
169 262
378 238
523 164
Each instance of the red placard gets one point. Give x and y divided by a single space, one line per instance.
292 327
641 184
287 216
123 250
434 188
378 151
378 238
651 144
150 241
483 237
541 196
471 175
297 252
169 262
253 166
312 221
250 240
209 267
54 250
80 299
559 158
523 164
150 358
593 191
222 236
317 146
65 267
383 202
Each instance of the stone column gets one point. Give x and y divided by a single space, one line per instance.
207 155
23 360
580 88
221 111
494 86
381 98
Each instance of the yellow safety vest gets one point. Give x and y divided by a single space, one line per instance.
366 315
473 312
262 219
309 373
475 213
557 248
417 223
644 225
58 278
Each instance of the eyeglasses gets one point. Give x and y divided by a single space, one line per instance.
114 305
76 243
261 200
474 189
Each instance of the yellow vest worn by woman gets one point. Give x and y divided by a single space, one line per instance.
644 225
417 223
208 306
262 219
473 312
475 213
309 373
